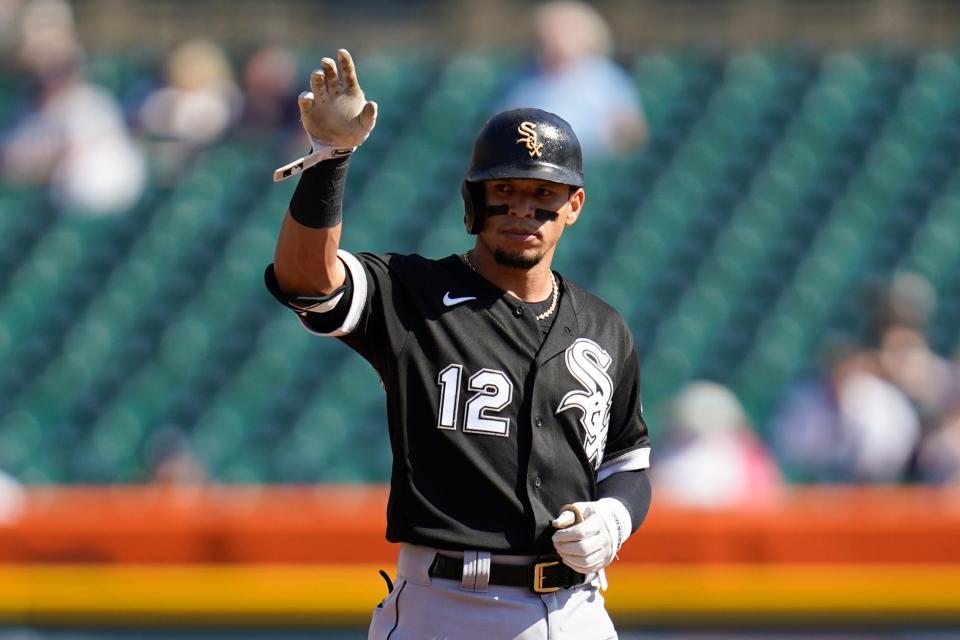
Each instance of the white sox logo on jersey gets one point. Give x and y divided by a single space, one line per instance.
588 363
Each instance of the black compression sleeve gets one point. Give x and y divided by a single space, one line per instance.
317 201
632 488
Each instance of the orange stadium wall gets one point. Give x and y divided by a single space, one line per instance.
310 556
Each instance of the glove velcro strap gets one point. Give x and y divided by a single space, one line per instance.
319 153
617 520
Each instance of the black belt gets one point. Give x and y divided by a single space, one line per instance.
545 575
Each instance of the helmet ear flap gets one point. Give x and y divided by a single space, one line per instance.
473 204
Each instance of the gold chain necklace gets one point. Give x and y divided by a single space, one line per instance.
553 283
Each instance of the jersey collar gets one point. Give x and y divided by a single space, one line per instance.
566 327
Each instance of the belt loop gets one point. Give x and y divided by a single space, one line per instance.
468 580
483 571
413 563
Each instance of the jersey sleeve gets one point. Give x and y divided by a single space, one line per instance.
330 315
378 330
343 318
364 314
628 442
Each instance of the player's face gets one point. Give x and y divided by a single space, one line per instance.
525 219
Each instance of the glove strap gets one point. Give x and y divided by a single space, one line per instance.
618 519
320 152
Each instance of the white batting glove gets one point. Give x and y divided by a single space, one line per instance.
334 113
591 545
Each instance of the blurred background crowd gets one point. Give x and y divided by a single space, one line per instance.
779 224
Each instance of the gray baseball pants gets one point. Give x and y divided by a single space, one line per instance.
425 608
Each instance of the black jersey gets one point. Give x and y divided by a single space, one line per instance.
493 425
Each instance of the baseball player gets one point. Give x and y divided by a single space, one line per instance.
513 404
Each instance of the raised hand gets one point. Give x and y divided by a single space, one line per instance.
335 114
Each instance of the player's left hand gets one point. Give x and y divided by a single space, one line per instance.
593 543
335 114
335 111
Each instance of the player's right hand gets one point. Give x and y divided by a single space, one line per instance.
591 543
335 112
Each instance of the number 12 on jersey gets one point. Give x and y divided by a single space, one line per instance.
493 391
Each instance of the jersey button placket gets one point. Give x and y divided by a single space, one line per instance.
538 482
518 311
538 421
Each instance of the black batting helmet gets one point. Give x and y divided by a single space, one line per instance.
520 143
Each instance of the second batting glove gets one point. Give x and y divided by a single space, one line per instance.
592 544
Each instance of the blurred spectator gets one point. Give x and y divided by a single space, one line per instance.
907 300
270 90
196 106
576 79
939 458
75 137
848 424
171 459
930 381
12 499
711 456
